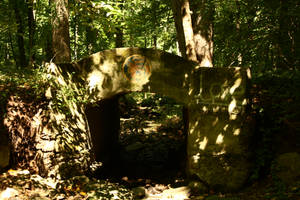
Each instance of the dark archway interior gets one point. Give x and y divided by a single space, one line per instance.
139 137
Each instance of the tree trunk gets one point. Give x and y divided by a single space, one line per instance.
12 48
203 31
194 33
60 32
31 28
176 7
90 37
75 33
21 61
119 38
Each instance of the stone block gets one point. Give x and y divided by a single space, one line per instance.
218 132
4 156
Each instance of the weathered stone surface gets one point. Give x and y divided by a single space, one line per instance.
104 75
288 167
218 139
4 156
4 148
100 78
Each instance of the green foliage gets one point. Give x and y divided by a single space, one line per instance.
14 80
257 34
276 96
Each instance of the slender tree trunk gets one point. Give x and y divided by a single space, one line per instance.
155 42
75 29
47 50
176 7
60 32
12 48
90 37
285 39
188 31
20 34
31 28
119 38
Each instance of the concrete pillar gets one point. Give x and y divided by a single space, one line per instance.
218 153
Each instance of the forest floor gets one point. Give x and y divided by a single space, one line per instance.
150 165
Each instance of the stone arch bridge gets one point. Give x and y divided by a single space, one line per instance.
218 135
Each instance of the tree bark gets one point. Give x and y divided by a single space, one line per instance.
119 38
60 32
31 28
194 32
203 31
176 7
21 61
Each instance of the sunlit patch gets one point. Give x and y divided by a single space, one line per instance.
220 139
203 143
225 93
205 109
51 67
232 106
216 121
237 132
96 59
233 116
220 152
237 84
196 158
9 193
94 79
206 63
61 81
225 127
249 73
216 109
244 102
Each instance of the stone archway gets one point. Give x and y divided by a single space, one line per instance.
218 132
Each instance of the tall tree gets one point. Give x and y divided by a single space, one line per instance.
17 4
202 20
194 42
60 31
31 29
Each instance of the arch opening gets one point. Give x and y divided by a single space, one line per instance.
150 143
152 136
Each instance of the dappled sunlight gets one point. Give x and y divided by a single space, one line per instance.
237 84
94 80
232 106
237 132
220 139
217 117
203 143
214 123
196 158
